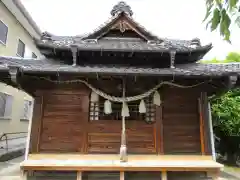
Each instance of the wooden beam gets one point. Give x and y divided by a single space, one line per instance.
142 163
201 126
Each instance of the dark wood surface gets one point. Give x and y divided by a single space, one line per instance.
65 126
181 128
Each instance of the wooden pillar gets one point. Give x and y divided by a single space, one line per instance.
206 115
159 130
164 175
214 174
36 124
23 175
79 175
201 124
122 175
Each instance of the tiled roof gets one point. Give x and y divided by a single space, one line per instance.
49 66
87 42
125 45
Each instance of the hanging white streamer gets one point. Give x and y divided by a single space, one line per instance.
142 107
156 98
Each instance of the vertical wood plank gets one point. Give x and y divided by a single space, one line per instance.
201 126
64 124
79 175
86 122
206 124
40 124
159 130
24 175
36 121
164 175
122 175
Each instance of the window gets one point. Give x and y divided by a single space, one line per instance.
27 107
21 48
34 55
3 33
5 105
97 111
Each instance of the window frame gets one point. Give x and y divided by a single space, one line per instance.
8 106
19 40
1 42
29 111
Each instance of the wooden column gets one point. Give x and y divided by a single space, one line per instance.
159 130
24 175
205 123
201 124
214 174
164 175
36 123
122 175
79 175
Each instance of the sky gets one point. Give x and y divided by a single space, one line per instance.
178 19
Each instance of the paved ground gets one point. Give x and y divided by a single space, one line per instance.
10 171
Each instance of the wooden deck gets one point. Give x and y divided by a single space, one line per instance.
111 162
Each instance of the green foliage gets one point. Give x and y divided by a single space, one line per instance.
220 14
233 57
230 58
226 113
226 109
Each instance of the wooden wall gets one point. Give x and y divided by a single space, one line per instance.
64 117
61 124
105 136
180 120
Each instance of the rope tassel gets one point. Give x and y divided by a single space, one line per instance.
156 98
142 107
125 110
107 107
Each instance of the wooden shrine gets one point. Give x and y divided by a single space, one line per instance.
119 103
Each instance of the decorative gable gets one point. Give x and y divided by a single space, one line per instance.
122 25
123 28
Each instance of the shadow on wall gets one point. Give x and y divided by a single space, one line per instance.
15 109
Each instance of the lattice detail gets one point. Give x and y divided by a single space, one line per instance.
97 111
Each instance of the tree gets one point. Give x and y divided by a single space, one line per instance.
220 14
233 57
226 108
226 113
230 58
